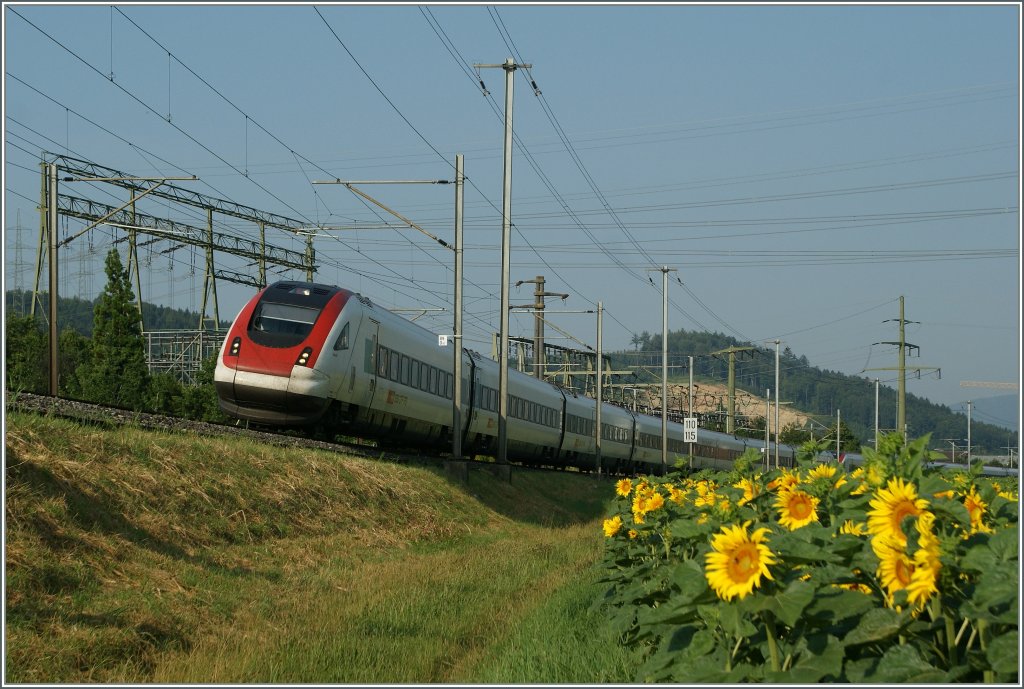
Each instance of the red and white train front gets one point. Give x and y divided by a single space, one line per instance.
267 369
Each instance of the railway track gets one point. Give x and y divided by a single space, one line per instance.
99 414
103 415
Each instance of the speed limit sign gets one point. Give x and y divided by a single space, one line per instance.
690 429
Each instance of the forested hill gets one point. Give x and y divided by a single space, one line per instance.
809 389
77 314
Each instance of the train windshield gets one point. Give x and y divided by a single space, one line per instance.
285 315
284 319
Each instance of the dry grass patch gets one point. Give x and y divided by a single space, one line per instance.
129 547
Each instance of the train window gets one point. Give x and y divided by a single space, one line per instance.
395 366
382 361
449 383
414 376
432 381
281 325
342 342
424 376
406 366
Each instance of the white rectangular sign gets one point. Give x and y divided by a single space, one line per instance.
690 430
442 340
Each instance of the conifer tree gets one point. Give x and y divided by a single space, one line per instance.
115 372
27 364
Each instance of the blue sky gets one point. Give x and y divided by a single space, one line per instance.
801 167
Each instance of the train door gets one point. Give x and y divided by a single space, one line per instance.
371 365
469 410
344 360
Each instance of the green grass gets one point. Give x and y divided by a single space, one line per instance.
146 557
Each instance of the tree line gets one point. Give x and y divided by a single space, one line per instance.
103 358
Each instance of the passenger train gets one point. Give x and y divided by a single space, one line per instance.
302 353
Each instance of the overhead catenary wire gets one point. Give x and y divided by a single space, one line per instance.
589 178
151 109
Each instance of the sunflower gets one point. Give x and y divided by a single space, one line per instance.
796 509
895 568
924 579
785 481
654 502
853 528
633 533
705 499
976 507
612 526
677 495
646 499
749 490
927 564
737 561
821 471
892 505
624 487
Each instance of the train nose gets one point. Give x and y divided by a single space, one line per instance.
300 398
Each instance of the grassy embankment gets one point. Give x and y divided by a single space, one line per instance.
135 556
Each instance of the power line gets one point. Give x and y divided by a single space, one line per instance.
152 110
560 131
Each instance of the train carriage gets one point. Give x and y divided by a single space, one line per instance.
301 353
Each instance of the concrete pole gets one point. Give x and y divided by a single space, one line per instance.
968 435
767 439
457 393
838 426
730 417
600 387
901 409
506 232
778 398
538 328
876 414
664 370
51 215
690 400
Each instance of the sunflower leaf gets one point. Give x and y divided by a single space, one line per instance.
903 663
876 625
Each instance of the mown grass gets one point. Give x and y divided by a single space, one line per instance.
135 556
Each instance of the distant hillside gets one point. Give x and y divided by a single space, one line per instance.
809 389
77 314
1002 411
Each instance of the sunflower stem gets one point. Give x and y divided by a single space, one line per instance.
935 612
960 634
773 647
951 642
983 635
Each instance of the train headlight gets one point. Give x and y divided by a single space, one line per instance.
236 344
304 357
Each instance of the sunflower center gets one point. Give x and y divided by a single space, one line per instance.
901 511
800 507
744 562
904 572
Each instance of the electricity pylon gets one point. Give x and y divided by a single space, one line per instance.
901 400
